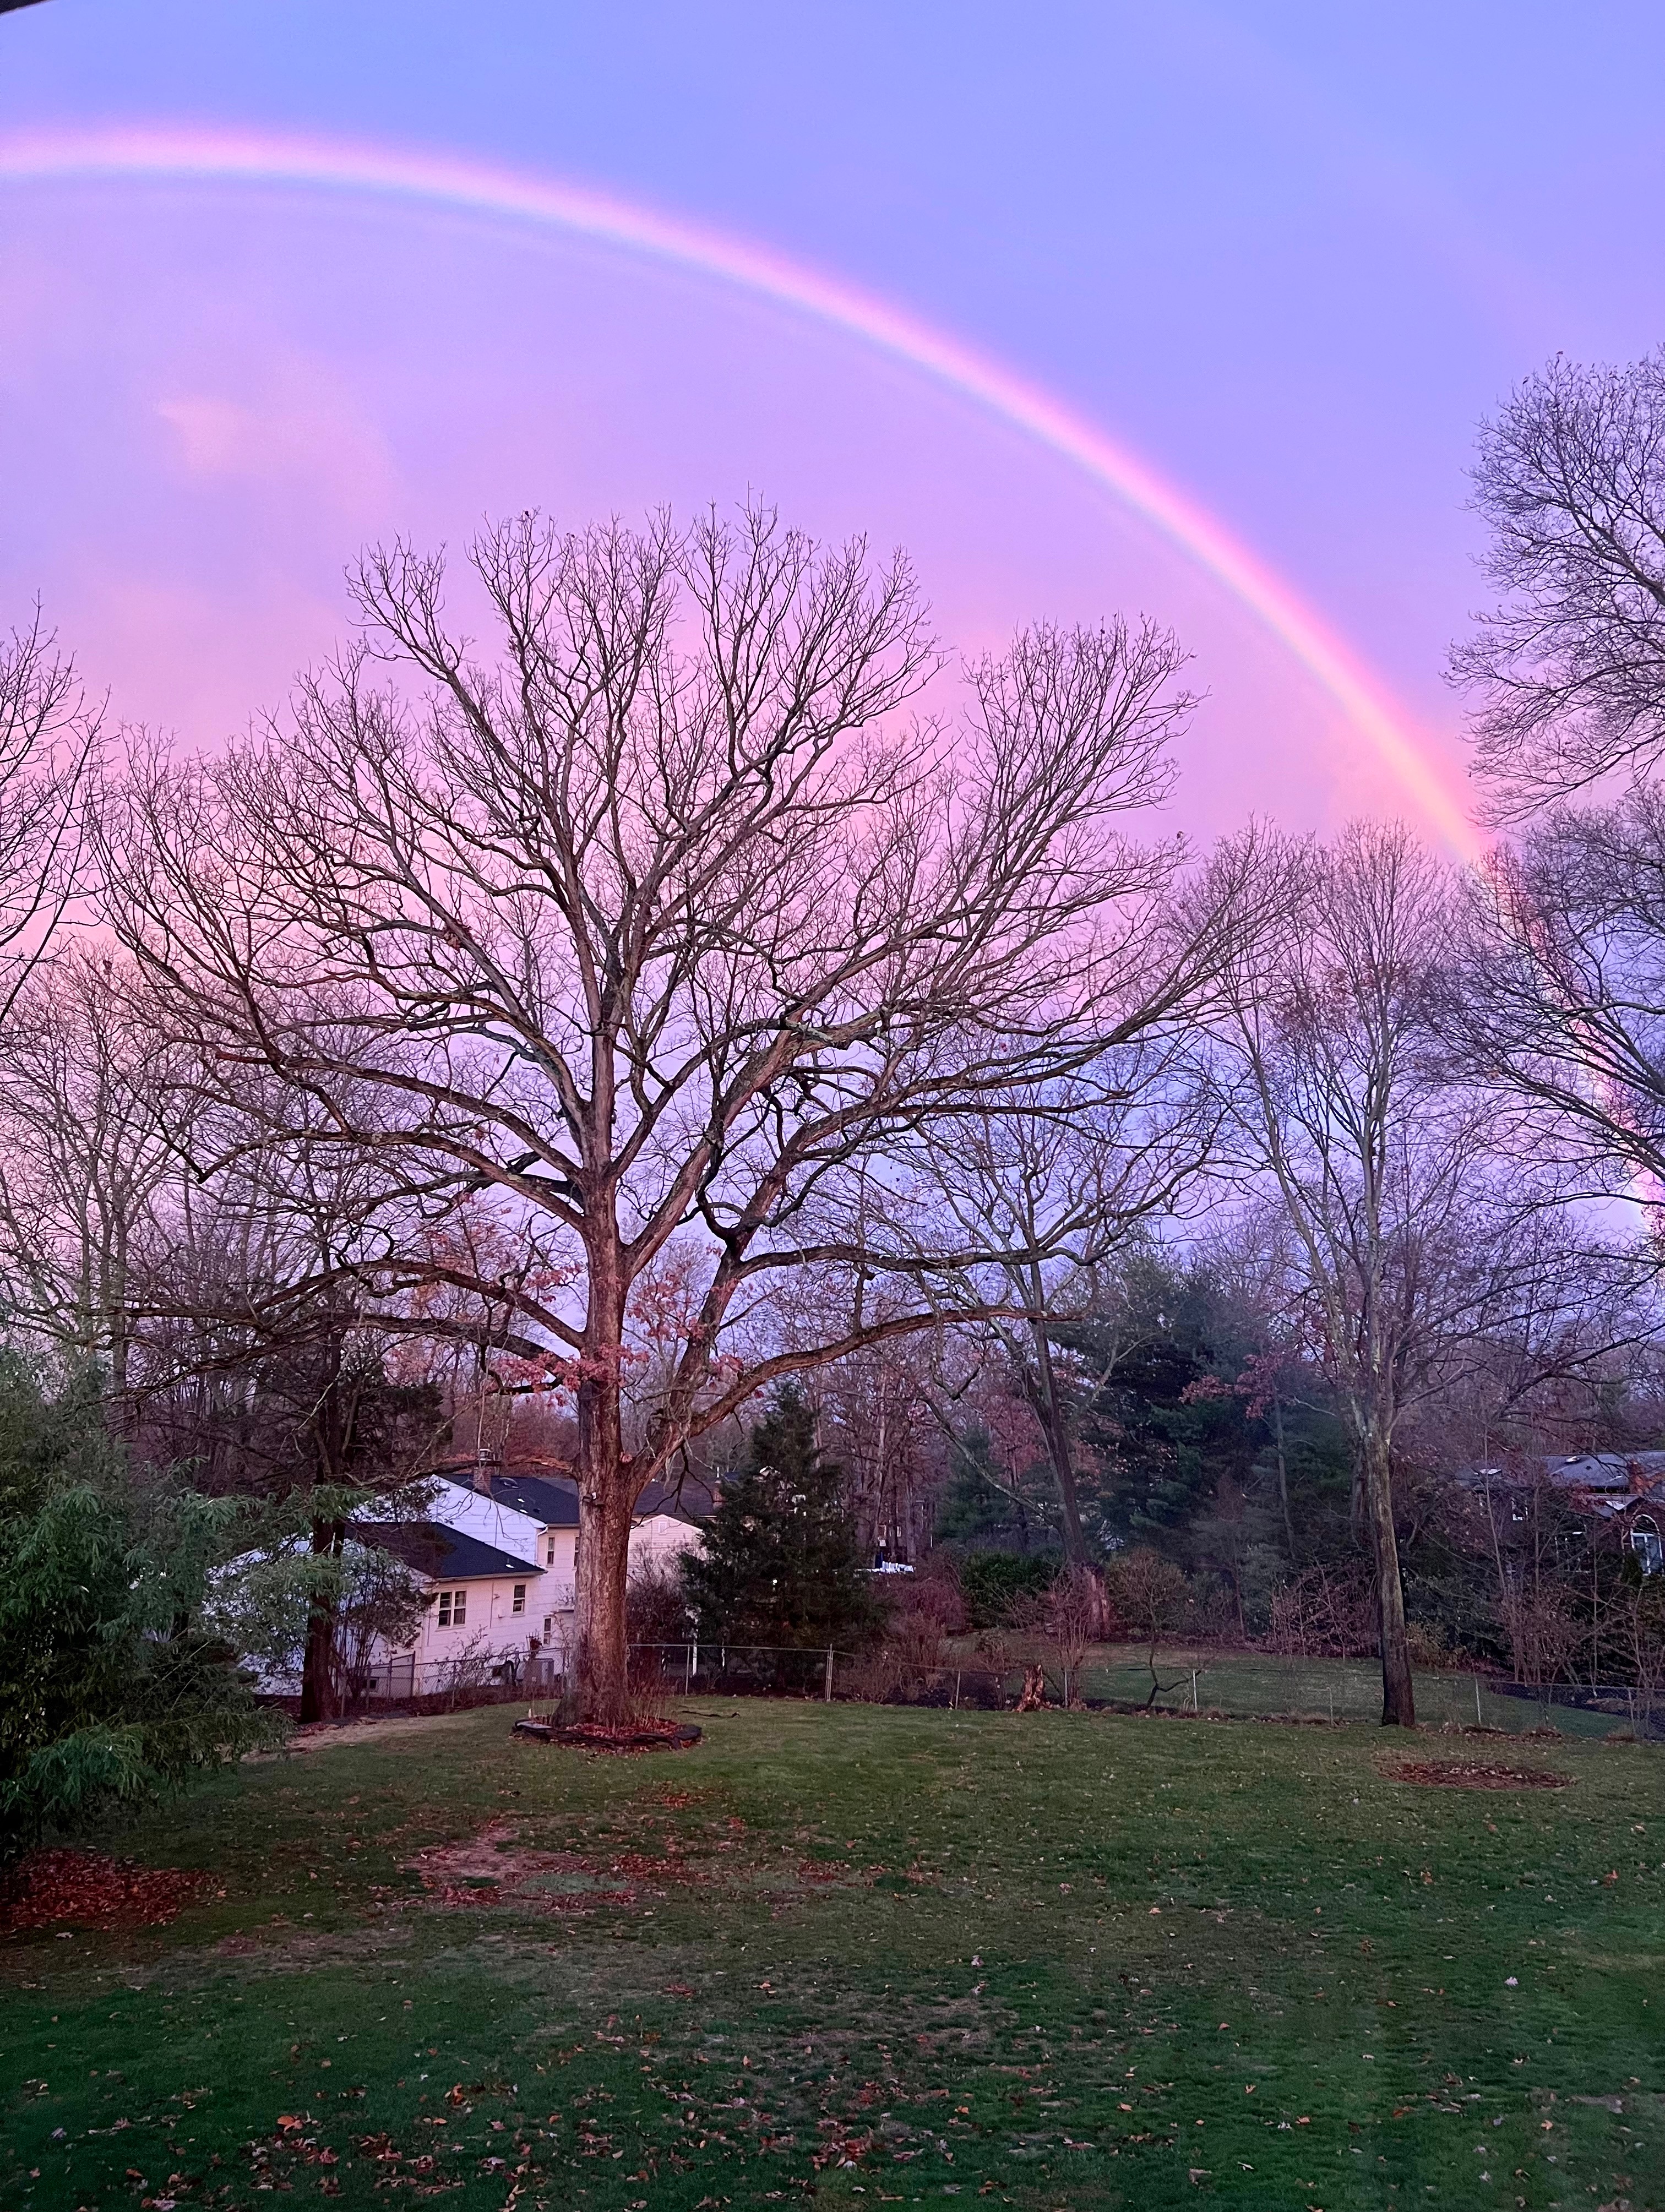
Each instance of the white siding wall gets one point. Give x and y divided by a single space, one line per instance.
491 1626
661 1539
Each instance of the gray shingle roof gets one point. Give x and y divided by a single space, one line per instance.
443 1554
548 1494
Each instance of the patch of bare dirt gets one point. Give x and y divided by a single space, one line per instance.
325 1736
493 1867
85 1889
1459 1774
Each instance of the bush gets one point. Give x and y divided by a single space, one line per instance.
656 1608
1430 1647
995 1585
111 1690
1321 1614
907 1665
935 1590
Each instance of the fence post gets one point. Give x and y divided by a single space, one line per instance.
827 1698
1477 1722
1195 1707
693 1662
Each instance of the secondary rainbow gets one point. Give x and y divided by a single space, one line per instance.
77 155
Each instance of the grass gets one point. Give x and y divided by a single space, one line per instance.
850 1956
1249 1683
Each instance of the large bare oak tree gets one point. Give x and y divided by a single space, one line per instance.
659 930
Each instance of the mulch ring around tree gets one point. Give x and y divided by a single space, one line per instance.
630 1736
84 1889
1455 1774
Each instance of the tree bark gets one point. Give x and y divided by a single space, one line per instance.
1049 1405
1398 1696
1283 1473
603 1570
606 1499
318 1670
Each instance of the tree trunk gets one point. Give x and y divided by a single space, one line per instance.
606 1496
604 1561
1048 1405
318 1669
1397 1697
1283 1473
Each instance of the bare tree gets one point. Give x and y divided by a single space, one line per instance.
88 1151
875 1413
251 1362
1373 1154
49 738
1570 666
1151 1594
1057 1178
667 927
1560 996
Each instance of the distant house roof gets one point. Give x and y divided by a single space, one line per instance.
1604 1483
442 1554
1628 1472
551 1498
689 1499
548 1493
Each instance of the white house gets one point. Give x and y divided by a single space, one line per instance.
479 1614
524 1512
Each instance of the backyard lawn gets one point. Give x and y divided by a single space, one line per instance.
859 1956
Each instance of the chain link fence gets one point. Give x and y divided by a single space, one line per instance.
1201 1680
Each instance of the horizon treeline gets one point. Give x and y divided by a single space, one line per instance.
579 1027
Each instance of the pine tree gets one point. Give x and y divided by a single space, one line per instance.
779 1564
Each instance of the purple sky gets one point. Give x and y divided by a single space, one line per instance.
1289 254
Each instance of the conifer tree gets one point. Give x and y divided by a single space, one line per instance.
779 1565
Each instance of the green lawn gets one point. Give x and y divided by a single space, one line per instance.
1059 1960
1253 1682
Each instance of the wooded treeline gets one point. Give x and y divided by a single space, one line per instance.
659 974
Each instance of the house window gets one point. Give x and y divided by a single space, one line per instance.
548 1628
1646 1544
453 1609
549 1551
519 1597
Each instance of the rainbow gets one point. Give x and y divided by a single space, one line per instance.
76 154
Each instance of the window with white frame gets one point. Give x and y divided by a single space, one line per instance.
1646 1544
453 1609
519 1597
549 1551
